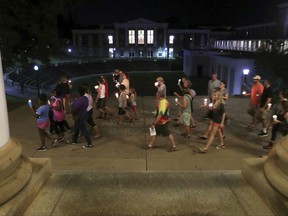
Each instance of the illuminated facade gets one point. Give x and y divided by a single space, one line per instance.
204 49
140 38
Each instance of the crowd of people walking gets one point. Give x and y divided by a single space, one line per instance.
53 111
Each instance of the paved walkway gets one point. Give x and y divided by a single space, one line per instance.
119 177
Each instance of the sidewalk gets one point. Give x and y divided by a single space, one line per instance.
206 184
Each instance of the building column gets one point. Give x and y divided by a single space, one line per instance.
18 184
15 170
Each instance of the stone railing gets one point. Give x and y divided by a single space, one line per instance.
276 167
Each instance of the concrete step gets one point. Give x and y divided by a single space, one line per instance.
148 193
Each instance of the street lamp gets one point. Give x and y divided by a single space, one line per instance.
36 68
245 73
69 51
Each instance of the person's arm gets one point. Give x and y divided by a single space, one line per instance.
183 104
98 92
124 99
155 122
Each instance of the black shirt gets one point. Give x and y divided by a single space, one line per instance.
267 93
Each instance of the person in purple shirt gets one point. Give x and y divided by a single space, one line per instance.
80 115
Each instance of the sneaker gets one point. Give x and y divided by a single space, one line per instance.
87 146
262 134
42 148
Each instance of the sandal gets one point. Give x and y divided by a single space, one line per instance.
202 150
223 146
203 137
187 136
148 147
172 149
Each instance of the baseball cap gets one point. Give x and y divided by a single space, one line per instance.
257 77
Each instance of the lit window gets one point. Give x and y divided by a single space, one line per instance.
171 39
131 35
140 36
150 36
110 39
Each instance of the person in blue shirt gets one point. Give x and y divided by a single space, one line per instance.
41 114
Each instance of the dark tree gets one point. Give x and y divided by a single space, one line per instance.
29 29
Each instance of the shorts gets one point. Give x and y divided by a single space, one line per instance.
261 115
185 119
252 110
133 107
101 103
121 111
43 125
216 124
162 130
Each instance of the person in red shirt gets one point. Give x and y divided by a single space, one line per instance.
255 95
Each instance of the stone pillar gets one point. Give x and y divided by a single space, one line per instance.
20 177
276 167
3 111
15 170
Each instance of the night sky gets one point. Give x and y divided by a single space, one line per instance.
188 12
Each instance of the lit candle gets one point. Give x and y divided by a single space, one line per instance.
244 92
96 87
156 83
179 80
30 103
127 96
176 99
205 101
117 95
269 106
274 117
70 81
210 105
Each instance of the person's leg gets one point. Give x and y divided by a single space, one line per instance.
209 128
172 141
76 132
96 133
152 141
211 137
42 136
84 131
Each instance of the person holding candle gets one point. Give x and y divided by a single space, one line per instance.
218 118
41 114
90 120
100 98
80 115
262 111
255 95
185 116
161 87
279 124
122 103
161 123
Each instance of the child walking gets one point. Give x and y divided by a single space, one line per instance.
133 98
41 114
122 103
